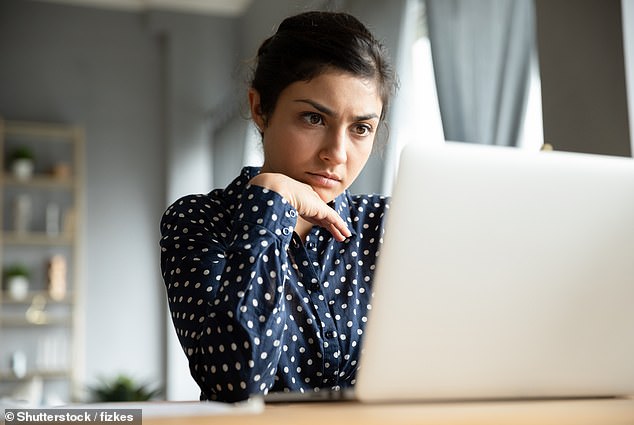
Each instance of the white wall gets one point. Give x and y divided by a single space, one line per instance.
97 70
140 85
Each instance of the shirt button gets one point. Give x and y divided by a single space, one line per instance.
286 231
293 213
311 245
329 334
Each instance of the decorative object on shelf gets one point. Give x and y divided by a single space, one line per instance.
61 170
36 313
22 164
28 393
57 277
123 388
52 354
22 213
16 278
68 226
52 219
18 364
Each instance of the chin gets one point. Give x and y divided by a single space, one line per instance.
327 196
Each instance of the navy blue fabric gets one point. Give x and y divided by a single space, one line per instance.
254 308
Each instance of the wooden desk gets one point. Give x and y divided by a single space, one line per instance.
573 412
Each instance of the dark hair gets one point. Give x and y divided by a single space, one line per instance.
308 44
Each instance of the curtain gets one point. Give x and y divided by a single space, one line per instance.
481 50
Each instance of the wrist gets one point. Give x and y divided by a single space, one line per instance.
275 182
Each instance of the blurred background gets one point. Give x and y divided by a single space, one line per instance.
151 94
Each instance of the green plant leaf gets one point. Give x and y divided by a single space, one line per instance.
16 269
122 388
22 152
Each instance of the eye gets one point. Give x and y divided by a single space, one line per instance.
313 118
362 129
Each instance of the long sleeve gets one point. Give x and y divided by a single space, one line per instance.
224 268
255 307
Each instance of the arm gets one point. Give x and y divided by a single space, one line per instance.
306 201
224 277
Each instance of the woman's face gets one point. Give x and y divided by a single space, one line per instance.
321 131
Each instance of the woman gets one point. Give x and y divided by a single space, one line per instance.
269 280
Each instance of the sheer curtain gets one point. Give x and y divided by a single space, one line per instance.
415 116
481 52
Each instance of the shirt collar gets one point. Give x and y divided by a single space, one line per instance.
236 187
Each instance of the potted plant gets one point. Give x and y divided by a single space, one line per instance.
22 163
16 279
122 388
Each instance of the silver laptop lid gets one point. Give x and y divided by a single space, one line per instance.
503 274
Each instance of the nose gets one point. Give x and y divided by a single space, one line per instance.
334 147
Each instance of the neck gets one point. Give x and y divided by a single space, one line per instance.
303 228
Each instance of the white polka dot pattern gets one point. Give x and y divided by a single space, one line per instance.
255 309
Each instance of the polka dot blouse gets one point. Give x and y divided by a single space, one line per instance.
255 308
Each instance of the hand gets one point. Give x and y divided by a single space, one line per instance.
306 201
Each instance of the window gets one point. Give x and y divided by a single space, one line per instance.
426 123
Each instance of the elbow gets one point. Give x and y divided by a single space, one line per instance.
229 390
230 378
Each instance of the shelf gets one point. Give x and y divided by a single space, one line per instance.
36 238
6 300
44 131
58 179
6 376
14 322
40 181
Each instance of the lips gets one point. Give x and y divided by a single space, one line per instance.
327 175
324 179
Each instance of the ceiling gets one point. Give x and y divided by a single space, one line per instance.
208 7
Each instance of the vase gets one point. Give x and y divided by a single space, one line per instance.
18 364
22 213
18 287
22 168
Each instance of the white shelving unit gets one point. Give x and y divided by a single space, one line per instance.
42 328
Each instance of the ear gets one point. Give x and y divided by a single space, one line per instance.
256 109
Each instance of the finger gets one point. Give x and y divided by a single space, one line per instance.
343 229
341 224
339 229
336 233
323 215
334 224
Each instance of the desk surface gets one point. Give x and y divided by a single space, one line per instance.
577 412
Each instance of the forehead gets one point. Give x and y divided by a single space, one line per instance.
337 90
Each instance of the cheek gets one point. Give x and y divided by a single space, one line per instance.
287 147
360 158
356 162
362 153
299 144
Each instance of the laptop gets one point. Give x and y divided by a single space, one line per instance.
504 274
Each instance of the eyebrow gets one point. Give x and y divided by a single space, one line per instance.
325 110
